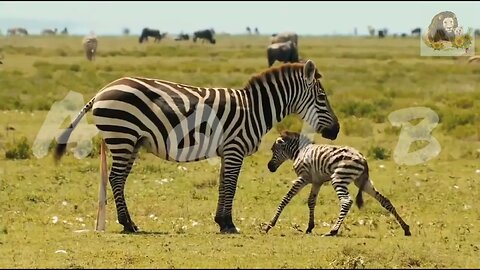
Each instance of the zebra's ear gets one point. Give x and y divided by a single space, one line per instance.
309 70
279 141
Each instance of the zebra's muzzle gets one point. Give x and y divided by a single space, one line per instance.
331 133
271 166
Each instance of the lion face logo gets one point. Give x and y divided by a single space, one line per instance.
448 24
442 27
446 35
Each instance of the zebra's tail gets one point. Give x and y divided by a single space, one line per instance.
364 178
62 141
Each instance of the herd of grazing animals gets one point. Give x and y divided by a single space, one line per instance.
135 112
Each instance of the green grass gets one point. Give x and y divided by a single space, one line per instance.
366 80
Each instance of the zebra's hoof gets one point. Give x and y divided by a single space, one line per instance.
131 228
230 230
407 233
331 233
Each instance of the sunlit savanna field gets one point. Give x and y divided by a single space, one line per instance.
366 79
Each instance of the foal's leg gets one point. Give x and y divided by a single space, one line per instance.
385 202
297 186
312 201
340 186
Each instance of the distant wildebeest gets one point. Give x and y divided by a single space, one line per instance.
182 37
90 44
416 32
256 31
371 30
147 32
64 31
207 34
126 31
286 52
477 32
18 30
381 34
49 32
249 31
284 37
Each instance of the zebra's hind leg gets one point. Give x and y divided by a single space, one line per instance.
123 160
340 186
385 202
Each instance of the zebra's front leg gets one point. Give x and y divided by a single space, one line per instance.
297 186
312 201
345 202
221 198
232 165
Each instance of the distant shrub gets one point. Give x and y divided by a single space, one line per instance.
471 154
75 67
41 64
392 130
378 152
19 150
382 103
357 127
139 54
95 147
457 118
250 70
357 108
465 132
108 68
291 123
61 52
463 103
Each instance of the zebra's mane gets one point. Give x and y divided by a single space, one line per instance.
285 69
296 136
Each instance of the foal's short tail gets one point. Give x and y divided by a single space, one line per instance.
364 178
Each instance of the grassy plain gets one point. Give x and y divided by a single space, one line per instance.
174 204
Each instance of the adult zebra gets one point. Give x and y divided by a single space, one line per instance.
185 123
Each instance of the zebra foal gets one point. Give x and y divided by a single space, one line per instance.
317 163
185 123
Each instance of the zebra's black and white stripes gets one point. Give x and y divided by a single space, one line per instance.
186 123
318 163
